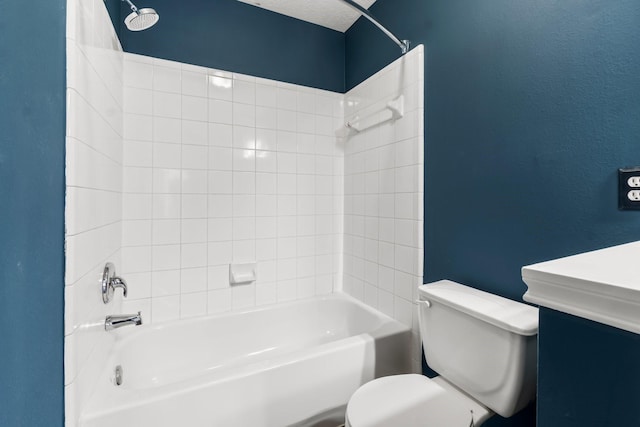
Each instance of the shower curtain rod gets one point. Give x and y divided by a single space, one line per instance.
403 44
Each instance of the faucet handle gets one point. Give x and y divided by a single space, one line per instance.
118 282
110 282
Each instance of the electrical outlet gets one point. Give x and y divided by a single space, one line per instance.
629 188
634 182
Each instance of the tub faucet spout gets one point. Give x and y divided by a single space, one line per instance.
115 322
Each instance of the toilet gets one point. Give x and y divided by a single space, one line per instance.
482 346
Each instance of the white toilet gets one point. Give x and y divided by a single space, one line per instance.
484 348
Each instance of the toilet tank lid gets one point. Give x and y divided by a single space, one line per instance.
513 316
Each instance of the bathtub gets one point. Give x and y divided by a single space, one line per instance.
291 364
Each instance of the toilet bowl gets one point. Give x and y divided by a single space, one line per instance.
412 400
484 348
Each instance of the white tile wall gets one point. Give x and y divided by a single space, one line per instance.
94 192
383 172
222 168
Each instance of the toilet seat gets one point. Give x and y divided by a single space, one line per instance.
409 401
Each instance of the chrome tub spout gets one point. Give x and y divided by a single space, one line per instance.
115 322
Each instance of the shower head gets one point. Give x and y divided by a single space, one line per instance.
140 19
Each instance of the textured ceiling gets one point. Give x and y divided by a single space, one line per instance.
333 14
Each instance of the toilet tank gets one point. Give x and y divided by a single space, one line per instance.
481 343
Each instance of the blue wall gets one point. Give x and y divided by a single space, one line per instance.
32 123
234 36
530 109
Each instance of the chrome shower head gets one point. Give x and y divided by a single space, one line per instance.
140 19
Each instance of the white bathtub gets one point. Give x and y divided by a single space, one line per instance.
289 364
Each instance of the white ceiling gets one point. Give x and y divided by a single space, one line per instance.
334 14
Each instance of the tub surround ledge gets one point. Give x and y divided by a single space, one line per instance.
602 285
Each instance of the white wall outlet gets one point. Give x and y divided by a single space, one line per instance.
629 188
634 182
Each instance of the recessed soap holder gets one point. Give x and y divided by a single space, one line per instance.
110 282
242 274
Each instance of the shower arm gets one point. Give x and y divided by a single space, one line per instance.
403 44
133 6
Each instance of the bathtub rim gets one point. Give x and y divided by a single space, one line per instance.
123 335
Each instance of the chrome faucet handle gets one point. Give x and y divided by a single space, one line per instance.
110 282
118 282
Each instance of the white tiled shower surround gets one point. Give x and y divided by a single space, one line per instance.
93 220
224 168
383 173
174 171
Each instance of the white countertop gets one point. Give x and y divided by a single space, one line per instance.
602 285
